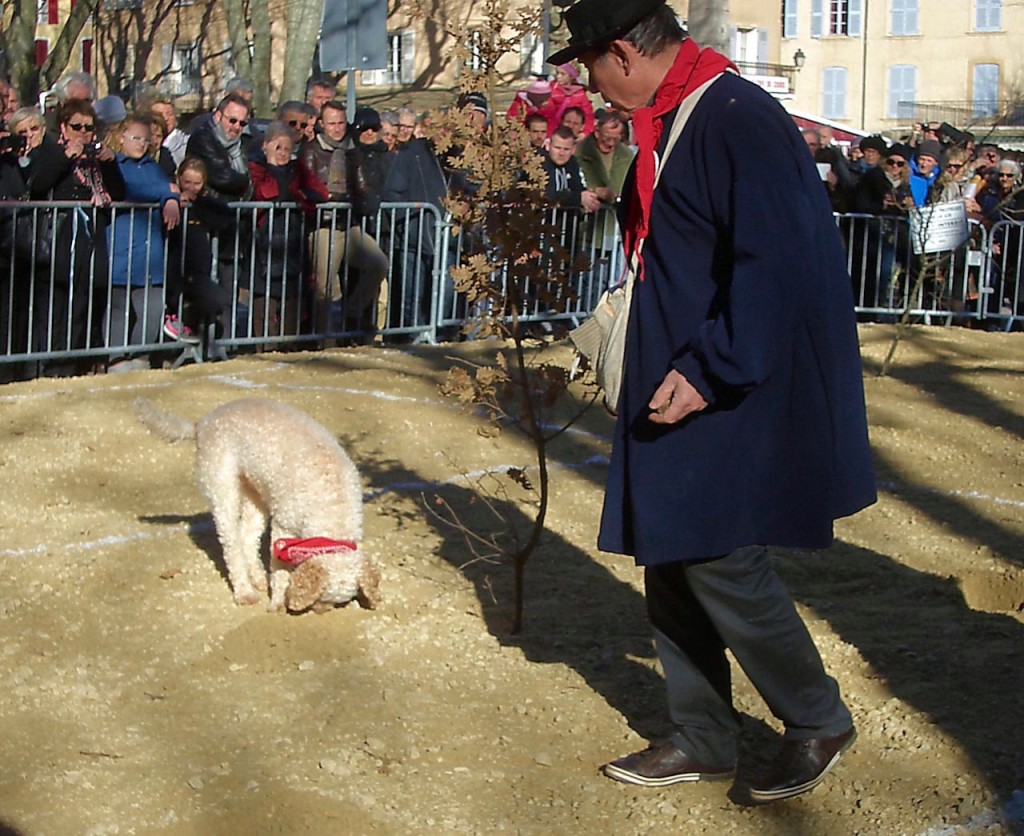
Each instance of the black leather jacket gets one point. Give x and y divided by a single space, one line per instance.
222 179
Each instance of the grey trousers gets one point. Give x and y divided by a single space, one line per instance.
698 609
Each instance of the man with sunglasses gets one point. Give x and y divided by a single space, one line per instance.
218 143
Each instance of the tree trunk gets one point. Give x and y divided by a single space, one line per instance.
19 43
262 45
304 18
708 22
238 29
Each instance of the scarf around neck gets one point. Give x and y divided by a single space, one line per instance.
692 68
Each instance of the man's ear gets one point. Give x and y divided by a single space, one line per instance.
623 52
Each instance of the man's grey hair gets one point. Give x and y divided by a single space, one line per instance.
404 111
239 87
79 77
387 116
319 81
290 106
1010 167
659 30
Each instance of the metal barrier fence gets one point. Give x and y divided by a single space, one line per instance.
80 285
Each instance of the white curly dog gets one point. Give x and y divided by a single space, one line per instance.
258 460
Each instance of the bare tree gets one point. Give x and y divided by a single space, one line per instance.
708 23
18 42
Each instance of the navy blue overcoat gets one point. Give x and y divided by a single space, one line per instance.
746 294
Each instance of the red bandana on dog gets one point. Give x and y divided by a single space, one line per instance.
296 550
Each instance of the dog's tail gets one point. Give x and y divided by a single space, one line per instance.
165 424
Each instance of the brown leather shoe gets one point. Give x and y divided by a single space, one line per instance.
661 764
800 767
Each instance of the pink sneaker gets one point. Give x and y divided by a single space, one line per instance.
178 330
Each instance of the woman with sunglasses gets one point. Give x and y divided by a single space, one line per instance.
76 168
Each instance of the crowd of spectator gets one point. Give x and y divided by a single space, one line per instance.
96 276
938 165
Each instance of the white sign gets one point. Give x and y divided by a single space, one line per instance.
939 227
774 84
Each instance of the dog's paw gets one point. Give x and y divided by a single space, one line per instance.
368 594
247 598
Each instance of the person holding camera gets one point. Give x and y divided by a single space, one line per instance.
13 289
75 167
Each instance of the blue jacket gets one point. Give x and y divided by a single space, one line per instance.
746 294
136 237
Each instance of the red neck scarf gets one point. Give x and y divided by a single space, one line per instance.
296 550
692 68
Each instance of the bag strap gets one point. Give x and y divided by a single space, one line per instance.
686 107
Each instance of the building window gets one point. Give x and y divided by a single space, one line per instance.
902 91
988 15
986 90
749 46
401 61
904 18
789 18
833 93
184 75
475 59
87 55
835 17
42 51
52 12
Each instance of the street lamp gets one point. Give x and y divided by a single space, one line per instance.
799 59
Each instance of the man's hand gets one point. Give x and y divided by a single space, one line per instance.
590 201
674 400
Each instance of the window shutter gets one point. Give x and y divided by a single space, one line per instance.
833 105
853 11
42 51
762 46
408 68
817 19
790 18
52 12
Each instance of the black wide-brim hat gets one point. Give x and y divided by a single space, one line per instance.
594 23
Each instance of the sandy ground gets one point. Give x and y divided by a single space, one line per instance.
137 699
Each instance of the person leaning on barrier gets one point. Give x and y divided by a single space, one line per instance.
218 143
1001 201
604 160
282 264
78 168
14 286
416 176
190 282
337 162
136 308
365 128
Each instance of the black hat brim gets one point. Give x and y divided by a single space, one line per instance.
624 15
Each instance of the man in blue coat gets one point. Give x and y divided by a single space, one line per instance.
741 421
